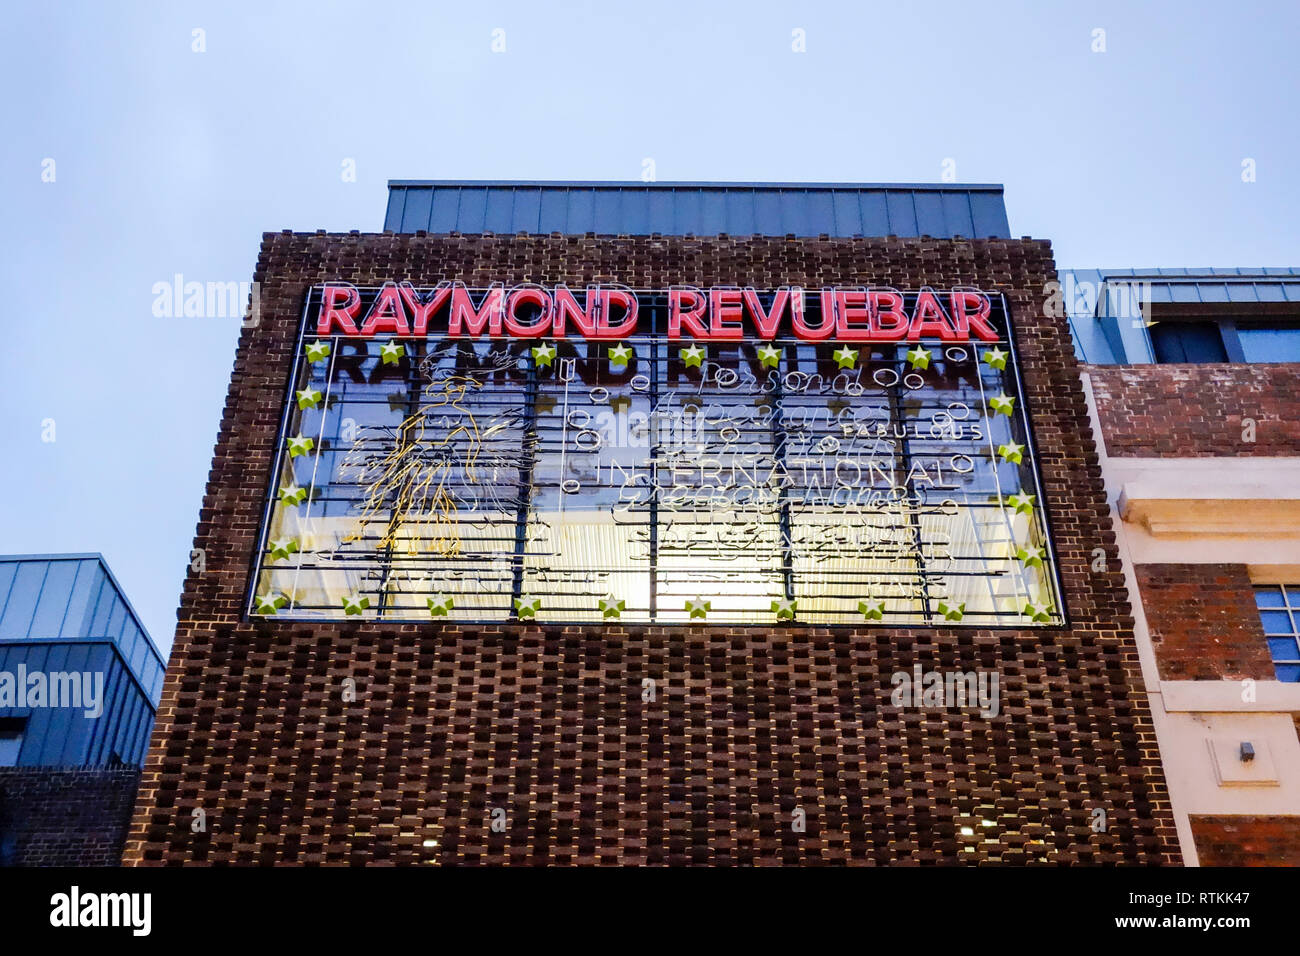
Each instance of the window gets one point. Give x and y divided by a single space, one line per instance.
1279 609
1225 339
1178 342
11 739
1274 342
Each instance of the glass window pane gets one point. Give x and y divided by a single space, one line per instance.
1283 649
1268 597
1288 672
1270 345
1276 622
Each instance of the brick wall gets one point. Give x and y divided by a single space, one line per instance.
1247 840
1197 411
65 817
547 723
1203 621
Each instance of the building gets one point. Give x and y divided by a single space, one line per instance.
79 686
1192 382
657 523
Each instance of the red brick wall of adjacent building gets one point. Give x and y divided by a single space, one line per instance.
1247 840
65 817
547 723
1197 411
1203 621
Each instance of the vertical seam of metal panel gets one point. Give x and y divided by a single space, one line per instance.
67 605
4 605
40 592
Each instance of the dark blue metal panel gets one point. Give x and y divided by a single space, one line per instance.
24 592
415 211
444 213
956 214
554 212
990 215
874 213
929 213
582 212
527 205
498 215
848 215
638 208
902 214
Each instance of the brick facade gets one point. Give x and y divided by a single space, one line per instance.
1197 411
547 723
65 817
1203 621
1247 840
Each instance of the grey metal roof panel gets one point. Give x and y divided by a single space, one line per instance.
638 208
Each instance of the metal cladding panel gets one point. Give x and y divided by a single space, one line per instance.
701 209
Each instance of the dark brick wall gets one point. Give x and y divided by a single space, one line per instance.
547 723
1247 840
1197 411
1203 621
65 817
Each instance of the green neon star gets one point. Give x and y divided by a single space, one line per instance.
317 351
440 605
355 603
1021 504
784 608
1037 611
872 610
769 356
291 495
527 607
544 354
281 548
308 398
1002 404
952 612
1030 557
391 352
611 606
919 357
698 607
845 357
300 445
693 356
996 358
271 602
620 355
1012 452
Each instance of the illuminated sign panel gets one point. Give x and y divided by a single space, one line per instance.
722 455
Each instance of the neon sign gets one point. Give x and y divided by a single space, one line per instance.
722 455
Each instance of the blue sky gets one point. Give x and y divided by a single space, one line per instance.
168 160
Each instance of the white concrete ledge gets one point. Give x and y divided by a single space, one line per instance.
1209 496
1224 696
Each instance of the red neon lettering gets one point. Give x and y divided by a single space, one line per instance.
686 306
528 296
767 322
888 320
566 307
387 313
808 334
851 306
339 302
423 309
966 320
726 311
930 319
609 300
463 313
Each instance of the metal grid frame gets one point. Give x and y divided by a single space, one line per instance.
1011 378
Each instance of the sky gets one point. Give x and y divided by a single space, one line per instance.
145 140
